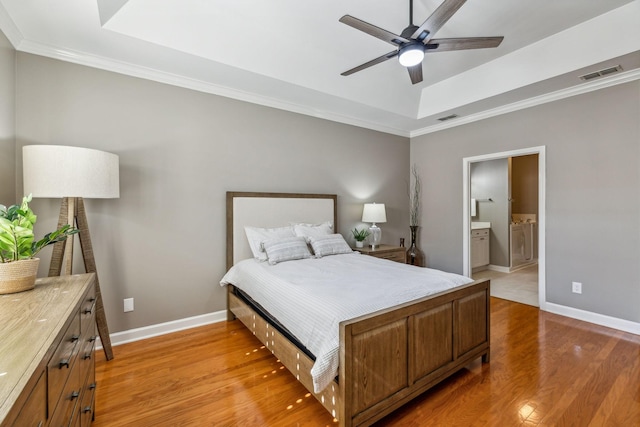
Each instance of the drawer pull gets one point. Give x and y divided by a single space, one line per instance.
92 386
88 310
74 338
74 395
87 356
86 409
63 363
93 338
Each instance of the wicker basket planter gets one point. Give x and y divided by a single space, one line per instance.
18 276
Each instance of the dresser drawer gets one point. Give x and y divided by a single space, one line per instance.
65 410
34 411
87 309
86 355
87 405
61 363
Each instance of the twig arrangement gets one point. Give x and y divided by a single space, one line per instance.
414 197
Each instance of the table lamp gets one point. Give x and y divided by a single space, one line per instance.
72 174
374 213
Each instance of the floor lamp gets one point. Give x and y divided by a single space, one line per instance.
73 174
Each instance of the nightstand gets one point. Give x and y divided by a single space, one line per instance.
392 253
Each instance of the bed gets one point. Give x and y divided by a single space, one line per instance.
385 357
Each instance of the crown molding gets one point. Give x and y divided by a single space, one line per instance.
532 102
120 67
9 28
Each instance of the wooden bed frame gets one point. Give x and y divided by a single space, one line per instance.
386 358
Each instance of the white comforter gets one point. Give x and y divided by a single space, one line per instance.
310 297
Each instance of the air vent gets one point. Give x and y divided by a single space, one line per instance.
601 73
449 117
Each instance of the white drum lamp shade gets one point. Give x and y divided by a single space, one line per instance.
374 213
57 171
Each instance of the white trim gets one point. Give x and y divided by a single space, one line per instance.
598 319
499 268
150 331
532 102
466 218
121 67
9 28
147 73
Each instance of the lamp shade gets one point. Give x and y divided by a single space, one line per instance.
56 171
374 212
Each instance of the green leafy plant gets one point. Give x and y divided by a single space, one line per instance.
360 235
16 233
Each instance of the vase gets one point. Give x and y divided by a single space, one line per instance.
414 255
18 276
359 244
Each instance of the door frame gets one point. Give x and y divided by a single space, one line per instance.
466 213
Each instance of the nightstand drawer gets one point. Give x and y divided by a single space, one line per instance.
392 253
397 256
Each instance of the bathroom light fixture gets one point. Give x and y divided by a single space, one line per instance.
411 54
373 213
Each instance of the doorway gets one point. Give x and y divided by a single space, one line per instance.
503 276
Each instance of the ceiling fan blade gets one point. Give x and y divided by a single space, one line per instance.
415 73
371 63
372 30
437 19
443 45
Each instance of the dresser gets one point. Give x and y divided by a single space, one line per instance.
47 366
393 253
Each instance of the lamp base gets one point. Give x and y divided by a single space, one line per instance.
376 236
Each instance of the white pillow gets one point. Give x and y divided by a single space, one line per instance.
332 244
286 249
313 230
257 235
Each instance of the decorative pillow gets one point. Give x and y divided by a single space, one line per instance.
332 244
257 235
313 230
286 249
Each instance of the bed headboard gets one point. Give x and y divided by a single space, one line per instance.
272 210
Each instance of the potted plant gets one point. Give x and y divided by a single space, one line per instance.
360 236
18 248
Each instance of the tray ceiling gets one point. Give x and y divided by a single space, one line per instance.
289 54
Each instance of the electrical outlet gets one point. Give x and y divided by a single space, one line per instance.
128 304
576 287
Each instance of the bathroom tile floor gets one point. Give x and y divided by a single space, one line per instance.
520 286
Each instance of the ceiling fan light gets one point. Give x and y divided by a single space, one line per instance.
411 55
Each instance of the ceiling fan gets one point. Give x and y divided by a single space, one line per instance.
412 44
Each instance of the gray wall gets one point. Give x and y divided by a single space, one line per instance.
7 122
163 241
592 193
490 180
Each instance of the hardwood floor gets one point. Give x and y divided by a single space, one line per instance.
545 370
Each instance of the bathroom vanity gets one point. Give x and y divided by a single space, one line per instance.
480 245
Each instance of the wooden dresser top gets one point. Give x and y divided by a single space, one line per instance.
29 324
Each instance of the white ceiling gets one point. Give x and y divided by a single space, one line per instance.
289 53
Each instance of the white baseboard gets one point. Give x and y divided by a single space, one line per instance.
220 316
499 268
164 328
588 316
